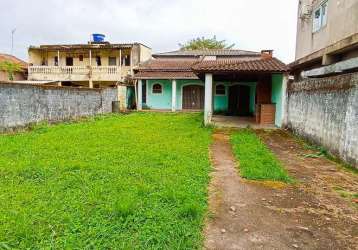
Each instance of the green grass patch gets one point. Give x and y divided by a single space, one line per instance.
135 181
256 161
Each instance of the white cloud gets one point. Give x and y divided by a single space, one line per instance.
250 24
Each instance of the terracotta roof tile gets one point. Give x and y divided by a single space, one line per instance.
6 57
165 75
186 69
259 65
208 52
167 65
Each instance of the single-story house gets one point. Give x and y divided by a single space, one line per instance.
225 81
22 75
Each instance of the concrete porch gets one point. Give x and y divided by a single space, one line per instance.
223 121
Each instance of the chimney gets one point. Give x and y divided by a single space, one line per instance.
266 54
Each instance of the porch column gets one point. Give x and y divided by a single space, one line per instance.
58 58
120 65
284 100
90 82
139 95
208 100
174 95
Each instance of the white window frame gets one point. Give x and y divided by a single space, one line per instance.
321 21
152 87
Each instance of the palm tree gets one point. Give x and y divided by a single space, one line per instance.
10 68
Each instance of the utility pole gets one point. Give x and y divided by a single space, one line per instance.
12 40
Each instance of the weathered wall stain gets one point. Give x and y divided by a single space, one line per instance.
325 111
21 104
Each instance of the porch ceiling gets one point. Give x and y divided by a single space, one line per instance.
237 77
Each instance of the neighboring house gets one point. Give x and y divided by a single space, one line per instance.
225 81
322 100
327 38
17 75
94 65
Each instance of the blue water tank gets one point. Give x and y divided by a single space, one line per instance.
98 38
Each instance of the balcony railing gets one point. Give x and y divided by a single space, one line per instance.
77 73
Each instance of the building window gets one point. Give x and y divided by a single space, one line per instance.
220 89
112 61
98 61
127 60
157 88
320 16
81 58
69 61
56 61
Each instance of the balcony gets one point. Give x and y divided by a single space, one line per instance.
78 73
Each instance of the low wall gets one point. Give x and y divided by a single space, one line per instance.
325 111
22 104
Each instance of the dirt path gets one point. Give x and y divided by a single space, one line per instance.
256 215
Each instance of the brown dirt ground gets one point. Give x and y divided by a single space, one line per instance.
310 214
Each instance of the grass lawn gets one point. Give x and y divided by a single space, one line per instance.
135 181
256 161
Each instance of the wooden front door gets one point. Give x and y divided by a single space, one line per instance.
239 100
244 101
193 97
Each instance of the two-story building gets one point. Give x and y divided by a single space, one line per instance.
327 38
95 64
89 65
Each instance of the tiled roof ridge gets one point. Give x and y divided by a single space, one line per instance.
203 52
225 65
9 57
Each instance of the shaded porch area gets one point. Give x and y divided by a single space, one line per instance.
255 92
225 121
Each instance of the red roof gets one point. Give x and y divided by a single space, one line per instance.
10 58
180 68
167 65
259 65
207 52
165 75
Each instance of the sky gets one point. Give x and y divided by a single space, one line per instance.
159 24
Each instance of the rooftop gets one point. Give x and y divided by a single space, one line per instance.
167 65
207 52
172 66
101 45
260 65
11 58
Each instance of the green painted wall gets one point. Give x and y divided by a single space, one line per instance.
276 97
163 101
159 101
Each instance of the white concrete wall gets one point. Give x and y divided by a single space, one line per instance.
325 111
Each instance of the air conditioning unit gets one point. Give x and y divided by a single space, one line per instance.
305 11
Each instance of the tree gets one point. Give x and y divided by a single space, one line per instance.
10 68
205 43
